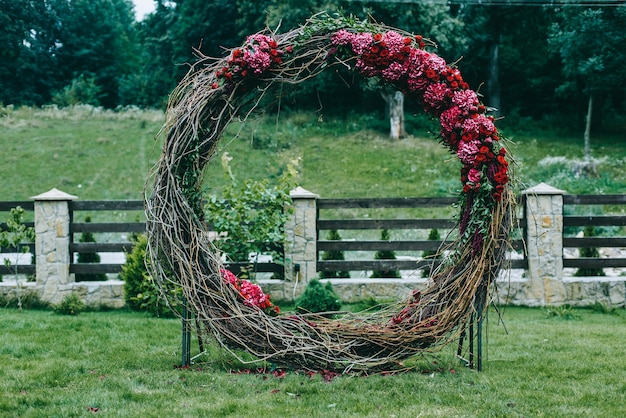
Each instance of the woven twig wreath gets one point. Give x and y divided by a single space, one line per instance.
182 258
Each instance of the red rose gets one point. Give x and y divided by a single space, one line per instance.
378 37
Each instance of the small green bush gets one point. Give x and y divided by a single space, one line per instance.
433 235
89 258
589 252
71 304
333 235
29 299
141 293
385 255
318 297
82 90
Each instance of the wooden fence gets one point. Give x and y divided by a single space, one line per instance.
121 232
418 228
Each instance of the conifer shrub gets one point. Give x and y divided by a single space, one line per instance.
385 255
433 235
141 293
318 297
589 252
333 235
88 258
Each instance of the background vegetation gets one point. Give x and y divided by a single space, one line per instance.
540 60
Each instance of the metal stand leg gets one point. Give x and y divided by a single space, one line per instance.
186 343
479 341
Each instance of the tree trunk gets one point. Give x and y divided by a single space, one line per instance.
588 130
395 110
493 80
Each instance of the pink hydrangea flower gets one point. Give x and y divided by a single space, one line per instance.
436 63
362 42
394 41
474 175
342 37
394 72
479 124
417 58
435 95
451 119
466 99
467 151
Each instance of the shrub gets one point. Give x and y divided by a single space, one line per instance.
333 235
589 252
88 258
82 90
318 297
433 235
385 255
141 293
251 215
29 299
71 304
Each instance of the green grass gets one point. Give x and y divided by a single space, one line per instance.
98 154
123 364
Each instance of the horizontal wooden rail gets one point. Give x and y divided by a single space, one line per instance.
31 249
427 245
101 247
346 224
379 245
594 220
360 265
365 203
21 269
605 199
94 227
594 242
96 205
589 262
95 268
27 205
236 268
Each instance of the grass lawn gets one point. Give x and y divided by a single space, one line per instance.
97 154
123 364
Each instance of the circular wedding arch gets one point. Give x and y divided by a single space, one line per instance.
182 259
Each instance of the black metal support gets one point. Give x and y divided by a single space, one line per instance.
475 357
186 343
471 342
479 342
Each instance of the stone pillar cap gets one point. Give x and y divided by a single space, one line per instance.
300 193
54 194
543 188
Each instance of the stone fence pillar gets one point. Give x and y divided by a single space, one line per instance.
301 237
52 244
544 241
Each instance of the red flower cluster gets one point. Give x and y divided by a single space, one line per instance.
403 63
251 293
259 54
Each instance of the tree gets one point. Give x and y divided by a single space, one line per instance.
590 43
16 237
97 40
28 44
